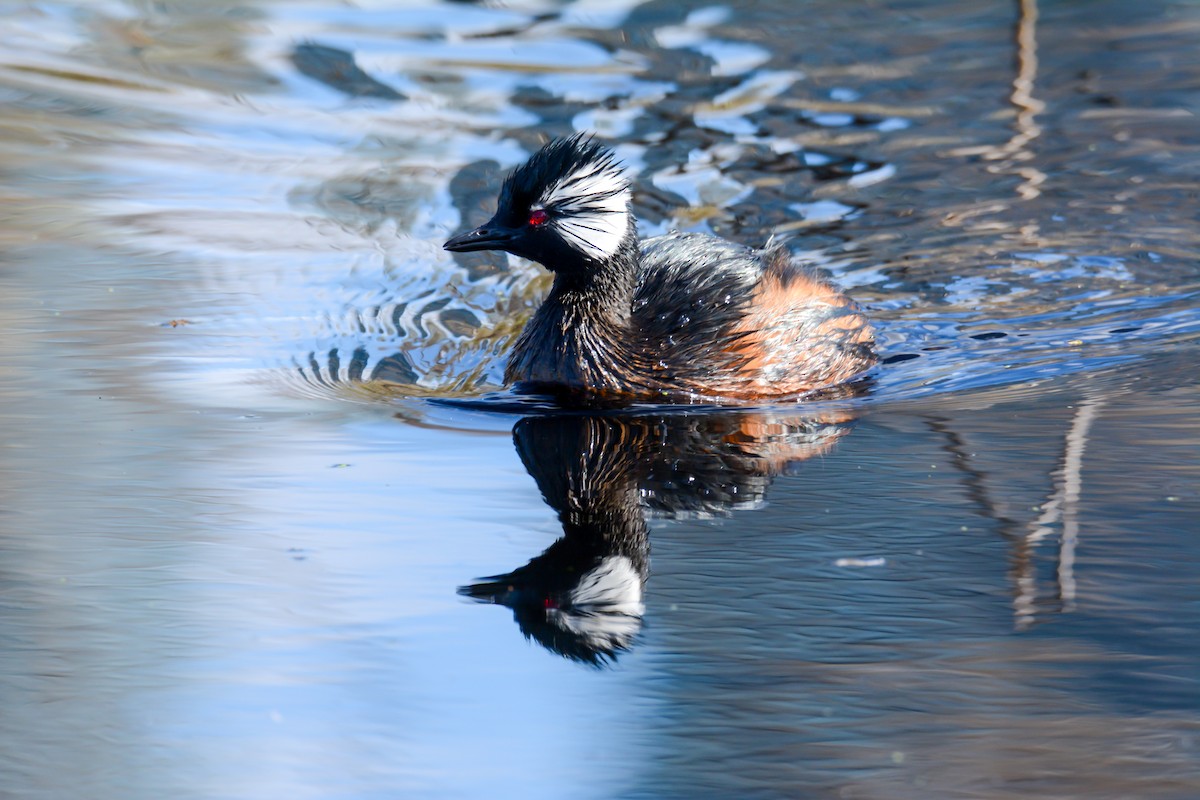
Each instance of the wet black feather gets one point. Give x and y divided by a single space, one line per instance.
692 290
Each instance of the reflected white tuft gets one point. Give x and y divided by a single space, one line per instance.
606 607
613 583
591 208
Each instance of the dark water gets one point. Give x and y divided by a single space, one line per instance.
257 457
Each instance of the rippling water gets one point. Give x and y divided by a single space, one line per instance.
275 529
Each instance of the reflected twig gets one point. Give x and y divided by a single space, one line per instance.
1062 508
1024 568
1016 149
977 488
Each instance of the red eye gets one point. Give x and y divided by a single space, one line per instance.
538 217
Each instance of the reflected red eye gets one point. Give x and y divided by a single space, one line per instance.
538 217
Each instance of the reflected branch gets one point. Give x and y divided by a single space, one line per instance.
1012 153
1061 509
1028 107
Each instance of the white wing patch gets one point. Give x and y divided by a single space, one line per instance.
591 208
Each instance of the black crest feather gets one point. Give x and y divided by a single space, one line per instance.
579 155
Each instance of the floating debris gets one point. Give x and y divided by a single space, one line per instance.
874 561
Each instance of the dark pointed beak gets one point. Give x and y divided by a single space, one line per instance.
489 236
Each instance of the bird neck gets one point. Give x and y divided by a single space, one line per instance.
582 338
598 294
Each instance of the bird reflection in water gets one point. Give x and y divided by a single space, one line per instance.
605 475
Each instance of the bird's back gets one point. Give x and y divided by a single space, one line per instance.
721 320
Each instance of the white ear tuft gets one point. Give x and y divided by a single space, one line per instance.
591 208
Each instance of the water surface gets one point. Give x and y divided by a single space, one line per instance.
260 470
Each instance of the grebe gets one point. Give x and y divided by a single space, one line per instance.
684 317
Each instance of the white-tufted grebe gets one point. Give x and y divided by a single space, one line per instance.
684 317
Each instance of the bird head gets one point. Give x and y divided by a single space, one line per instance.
567 208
